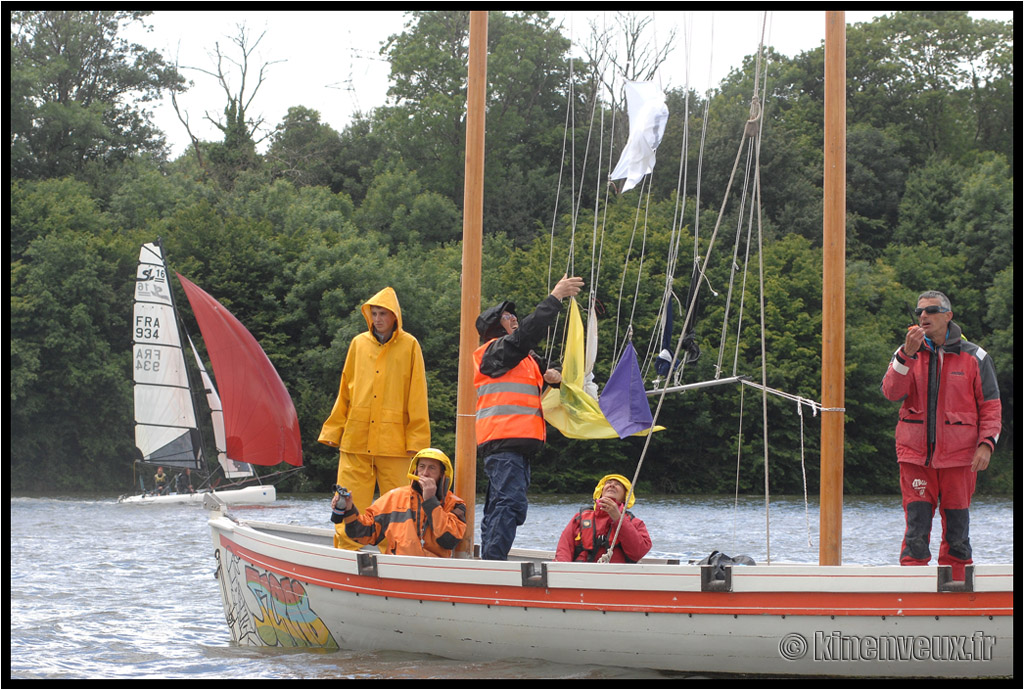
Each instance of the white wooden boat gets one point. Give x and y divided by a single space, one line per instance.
286 586
246 495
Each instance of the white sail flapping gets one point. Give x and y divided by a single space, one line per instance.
165 418
648 115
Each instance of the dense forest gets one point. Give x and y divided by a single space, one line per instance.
293 236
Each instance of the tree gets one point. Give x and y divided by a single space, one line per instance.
239 126
305 151
528 84
927 75
875 175
926 206
983 221
397 207
78 91
70 301
625 50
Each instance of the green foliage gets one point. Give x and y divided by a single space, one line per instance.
295 241
78 90
70 390
527 77
305 151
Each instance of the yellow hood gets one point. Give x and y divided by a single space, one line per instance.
389 300
630 497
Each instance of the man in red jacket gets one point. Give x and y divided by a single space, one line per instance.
948 426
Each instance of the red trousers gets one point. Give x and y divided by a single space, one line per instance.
950 489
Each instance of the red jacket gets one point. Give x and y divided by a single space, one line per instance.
950 402
589 526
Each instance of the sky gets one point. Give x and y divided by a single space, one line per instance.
330 61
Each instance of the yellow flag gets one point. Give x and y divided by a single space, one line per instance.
568 408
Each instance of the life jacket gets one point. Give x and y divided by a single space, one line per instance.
588 541
509 406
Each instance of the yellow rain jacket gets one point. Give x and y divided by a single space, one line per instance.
381 407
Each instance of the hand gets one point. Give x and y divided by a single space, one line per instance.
348 501
429 487
981 457
609 506
914 340
553 376
567 287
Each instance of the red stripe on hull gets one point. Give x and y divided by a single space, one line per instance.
648 601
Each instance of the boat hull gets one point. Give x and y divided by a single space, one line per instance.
248 495
286 586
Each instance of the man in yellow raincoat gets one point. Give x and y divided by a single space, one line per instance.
380 417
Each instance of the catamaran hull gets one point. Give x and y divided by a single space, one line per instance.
286 586
248 495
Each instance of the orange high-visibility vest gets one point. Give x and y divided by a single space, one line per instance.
508 406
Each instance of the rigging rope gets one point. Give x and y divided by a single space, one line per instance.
751 140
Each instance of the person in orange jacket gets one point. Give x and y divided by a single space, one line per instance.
380 417
589 534
422 519
510 424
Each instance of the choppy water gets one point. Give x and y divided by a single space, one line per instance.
107 590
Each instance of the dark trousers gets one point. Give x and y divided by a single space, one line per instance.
508 475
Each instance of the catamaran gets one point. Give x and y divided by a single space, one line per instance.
255 425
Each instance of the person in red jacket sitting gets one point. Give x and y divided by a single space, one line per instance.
589 534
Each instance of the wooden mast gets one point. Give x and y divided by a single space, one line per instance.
833 295
472 242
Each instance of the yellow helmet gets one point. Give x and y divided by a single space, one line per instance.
433 454
630 496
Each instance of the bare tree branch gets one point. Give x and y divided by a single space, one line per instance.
239 102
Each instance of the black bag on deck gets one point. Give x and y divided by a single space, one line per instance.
718 560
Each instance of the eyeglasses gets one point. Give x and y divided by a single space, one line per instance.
930 309
507 317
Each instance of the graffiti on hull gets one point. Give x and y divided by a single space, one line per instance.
272 611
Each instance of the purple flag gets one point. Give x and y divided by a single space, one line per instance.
624 400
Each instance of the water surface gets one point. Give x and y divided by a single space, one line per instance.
107 590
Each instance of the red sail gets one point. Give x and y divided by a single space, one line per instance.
259 417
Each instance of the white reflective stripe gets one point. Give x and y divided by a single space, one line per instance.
899 368
506 387
495 410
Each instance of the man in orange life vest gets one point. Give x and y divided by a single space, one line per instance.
509 418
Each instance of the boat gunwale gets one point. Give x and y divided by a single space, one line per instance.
604 587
